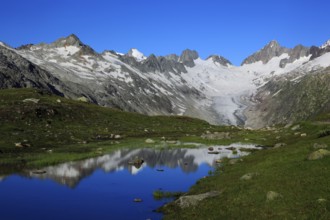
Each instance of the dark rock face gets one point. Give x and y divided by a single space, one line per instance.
318 51
172 57
282 101
71 40
220 60
188 56
271 50
294 54
17 72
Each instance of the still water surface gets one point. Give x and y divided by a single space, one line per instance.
105 187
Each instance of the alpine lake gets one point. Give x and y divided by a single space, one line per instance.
124 184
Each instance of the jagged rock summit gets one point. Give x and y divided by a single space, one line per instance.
219 59
271 50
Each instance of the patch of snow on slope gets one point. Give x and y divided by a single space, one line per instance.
138 55
326 44
68 50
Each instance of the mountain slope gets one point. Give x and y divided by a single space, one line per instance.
211 89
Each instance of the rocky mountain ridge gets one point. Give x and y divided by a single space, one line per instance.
211 89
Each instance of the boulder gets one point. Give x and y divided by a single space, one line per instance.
216 136
321 200
278 145
82 99
319 154
117 136
137 200
249 176
149 141
234 161
32 100
271 195
193 200
296 127
319 146
39 172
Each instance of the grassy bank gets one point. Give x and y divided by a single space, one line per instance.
302 185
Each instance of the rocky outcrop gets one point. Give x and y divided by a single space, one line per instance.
188 56
319 154
271 50
295 54
319 51
284 100
219 60
17 72
193 200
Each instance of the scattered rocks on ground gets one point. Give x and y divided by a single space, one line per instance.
321 200
249 176
278 145
149 141
295 128
210 148
320 146
319 154
216 135
32 100
271 195
193 200
58 100
303 135
218 161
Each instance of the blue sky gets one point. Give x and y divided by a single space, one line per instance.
231 28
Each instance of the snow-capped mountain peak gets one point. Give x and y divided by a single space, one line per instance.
136 54
325 45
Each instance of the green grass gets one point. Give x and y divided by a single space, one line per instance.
63 125
285 170
75 130
159 194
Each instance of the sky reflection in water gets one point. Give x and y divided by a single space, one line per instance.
105 187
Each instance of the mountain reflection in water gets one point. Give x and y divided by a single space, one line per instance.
71 173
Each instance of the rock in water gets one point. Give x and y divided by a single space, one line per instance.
137 200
